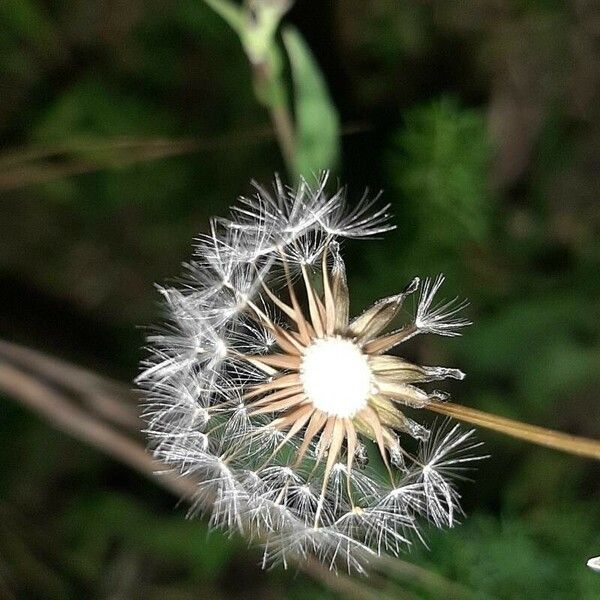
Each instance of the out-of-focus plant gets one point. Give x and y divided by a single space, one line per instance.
441 169
308 133
439 164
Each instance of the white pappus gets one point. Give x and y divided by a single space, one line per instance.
289 414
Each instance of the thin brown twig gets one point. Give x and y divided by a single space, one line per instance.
415 573
62 414
155 147
38 164
19 169
107 398
346 586
51 366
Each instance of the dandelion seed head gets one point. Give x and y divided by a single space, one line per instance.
288 413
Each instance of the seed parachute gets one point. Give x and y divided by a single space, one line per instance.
296 420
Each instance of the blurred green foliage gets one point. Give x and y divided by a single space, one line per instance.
126 125
316 119
441 166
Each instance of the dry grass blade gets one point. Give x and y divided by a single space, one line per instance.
408 571
39 164
531 433
347 586
58 410
110 400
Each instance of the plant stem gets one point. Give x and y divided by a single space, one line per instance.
284 130
532 433
270 91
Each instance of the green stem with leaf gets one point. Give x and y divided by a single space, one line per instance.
308 136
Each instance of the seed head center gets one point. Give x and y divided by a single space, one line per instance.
336 376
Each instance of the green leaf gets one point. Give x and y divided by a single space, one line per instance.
317 121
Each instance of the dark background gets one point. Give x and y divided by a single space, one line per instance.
126 124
